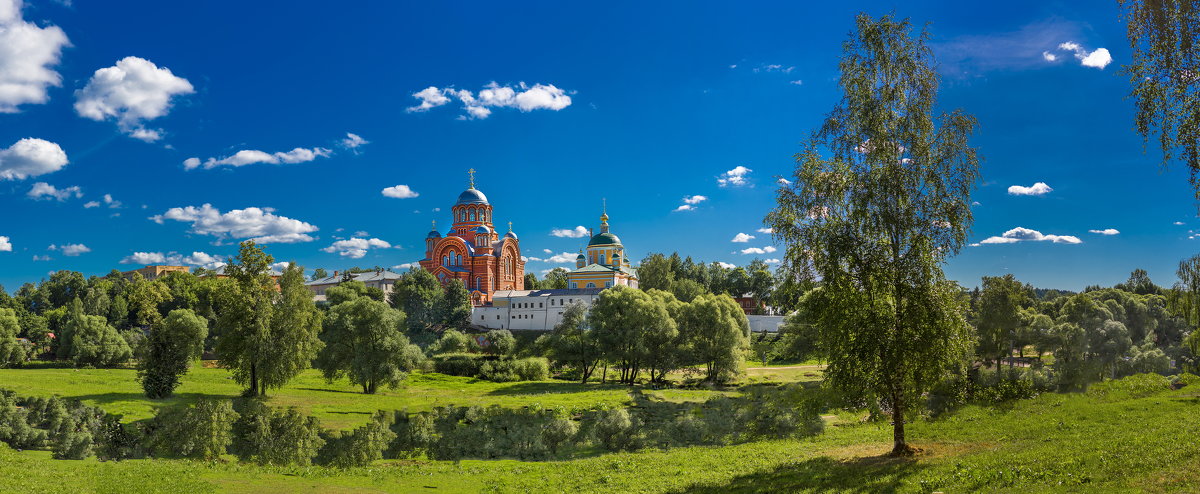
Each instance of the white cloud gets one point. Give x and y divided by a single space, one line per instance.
1106 231
772 261
1036 189
1098 58
479 106
71 250
258 224
783 181
563 258
278 267
1020 234
726 265
774 68
548 251
131 92
91 204
431 97
742 238
26 54
685 207
30 157
406 266
1177 223
356 248
5 244
735 177
697 199
577 232
37 258
400 192
112 203
766 230
43 190
756 250
797 82
253 156
353 141
200 259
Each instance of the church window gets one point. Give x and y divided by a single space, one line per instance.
591 285
445 261
574 285
473 215
607 284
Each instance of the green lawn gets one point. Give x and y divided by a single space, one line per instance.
1054 443
338 405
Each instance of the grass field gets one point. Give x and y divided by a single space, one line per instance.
339 405
1095 442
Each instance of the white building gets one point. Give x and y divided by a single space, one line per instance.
538 310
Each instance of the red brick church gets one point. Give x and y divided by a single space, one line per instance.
473 252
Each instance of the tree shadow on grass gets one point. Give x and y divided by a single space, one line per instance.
823 474
540 387
178 399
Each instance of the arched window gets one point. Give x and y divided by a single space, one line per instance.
590 285
445 261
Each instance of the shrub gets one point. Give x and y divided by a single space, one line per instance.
500 342
721 420
1186 379
559 432
414 435
15 428
268 436
526 369
1135 386
202 430
501 371
358 448
117 441
687 430
74 443
458 365
453 341
615 430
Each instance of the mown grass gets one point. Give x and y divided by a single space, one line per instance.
1096 442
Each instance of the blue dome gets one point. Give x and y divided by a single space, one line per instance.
471 196
511 235
482 229
433 234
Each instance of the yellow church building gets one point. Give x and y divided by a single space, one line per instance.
605 264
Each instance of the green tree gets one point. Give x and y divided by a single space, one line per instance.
11 351
1162 34
318 274
454 308
453 341
364 341
201 431
573 343
717 334
655 272
1000 316
626 321
144 298
170 349
295 330
531 281
687 290
556 279
500 342
276 436
418 295
876 220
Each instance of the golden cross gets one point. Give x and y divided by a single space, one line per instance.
435 224
604 205
472 173
510 227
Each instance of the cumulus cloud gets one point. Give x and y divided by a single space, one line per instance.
261 225
577 232
132 92
775 67
735 177
1049 57
759 250
356 248
1106 231
726 265
71 250
400 192
1021 234
772 261
1177 223
43 190
766 230
353 141
27 53
685 207
199 259
254 156
91 204
5 244
1098 58
406 266
37 258
697 199
30 157
742 238
477 106
563 258
1036 189
112 203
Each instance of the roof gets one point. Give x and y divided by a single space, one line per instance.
363 277
471 196
600 268
545 293
482 229
605 238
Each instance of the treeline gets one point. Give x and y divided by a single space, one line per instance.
687 279
257 433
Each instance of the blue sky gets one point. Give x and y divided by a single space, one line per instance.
647 104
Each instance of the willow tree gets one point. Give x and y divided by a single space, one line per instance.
880 197
1163 75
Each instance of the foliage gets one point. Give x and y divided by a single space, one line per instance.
11 351
876 219
716 333
574 343
499 342
273 436
363 340
526 369
458 365
200 431
452 341
170 350
627 323
358 448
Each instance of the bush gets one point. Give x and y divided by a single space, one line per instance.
458 365
202 430
615 430
15 428
269 436
358 448
526 369
414 435
559 432
75 443
117 441
500 342
1185 379
453 341
1135 386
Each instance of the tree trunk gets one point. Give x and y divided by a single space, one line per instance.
899 446
253 391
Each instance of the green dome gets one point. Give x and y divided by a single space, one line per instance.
604 239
